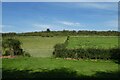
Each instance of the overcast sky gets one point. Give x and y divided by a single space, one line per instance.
38 16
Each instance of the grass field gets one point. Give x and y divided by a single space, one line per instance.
92 42
40 46
43 46
83 67
41 64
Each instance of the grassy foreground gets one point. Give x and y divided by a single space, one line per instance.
42 65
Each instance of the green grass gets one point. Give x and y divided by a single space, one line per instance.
92 42
41 49
40 46
43 46
84 67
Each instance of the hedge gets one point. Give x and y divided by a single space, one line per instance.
89 53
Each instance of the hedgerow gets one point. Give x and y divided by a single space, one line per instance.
89 53
62 51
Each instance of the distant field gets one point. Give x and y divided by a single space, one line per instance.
93 42
40 46
43 46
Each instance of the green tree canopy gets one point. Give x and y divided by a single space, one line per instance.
12 46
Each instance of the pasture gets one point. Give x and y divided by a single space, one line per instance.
44 46
40 46
43 65
104 42
37 65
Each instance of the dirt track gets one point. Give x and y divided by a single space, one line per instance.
7 56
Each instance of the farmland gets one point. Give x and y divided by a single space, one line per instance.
44 46
83 67
76 40
93 42
42 64
40 46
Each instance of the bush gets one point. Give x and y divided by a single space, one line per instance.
6 52
27 54
115 53
12 47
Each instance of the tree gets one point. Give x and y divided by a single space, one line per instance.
12 47
48 30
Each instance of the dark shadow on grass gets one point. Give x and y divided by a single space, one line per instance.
25 74
107 75
62 73
117 61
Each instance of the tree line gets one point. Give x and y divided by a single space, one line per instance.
49 33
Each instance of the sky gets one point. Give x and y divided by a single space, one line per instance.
38 16
60 0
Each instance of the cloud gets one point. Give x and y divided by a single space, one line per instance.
99 5
7 28
91 5
42 26
69 23
61 25
108 25
58 25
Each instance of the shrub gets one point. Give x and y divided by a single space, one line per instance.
12 47
115 53
27 54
